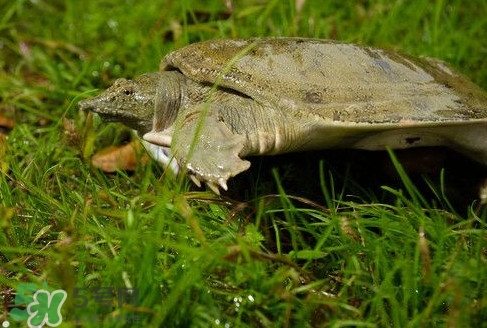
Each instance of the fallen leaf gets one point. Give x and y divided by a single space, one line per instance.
116 158
3 152
71 133
6 124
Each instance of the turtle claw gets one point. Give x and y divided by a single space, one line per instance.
213 187
195 180
223 183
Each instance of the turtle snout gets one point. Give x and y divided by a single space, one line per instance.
85 105
99 107
91 104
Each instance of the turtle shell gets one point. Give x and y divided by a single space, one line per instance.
344 84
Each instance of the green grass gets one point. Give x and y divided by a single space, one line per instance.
197 260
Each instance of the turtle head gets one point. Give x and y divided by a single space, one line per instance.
130 102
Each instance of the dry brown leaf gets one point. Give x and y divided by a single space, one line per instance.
6 124
71 132
4 165
124 158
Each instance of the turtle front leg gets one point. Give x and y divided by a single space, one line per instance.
205 146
